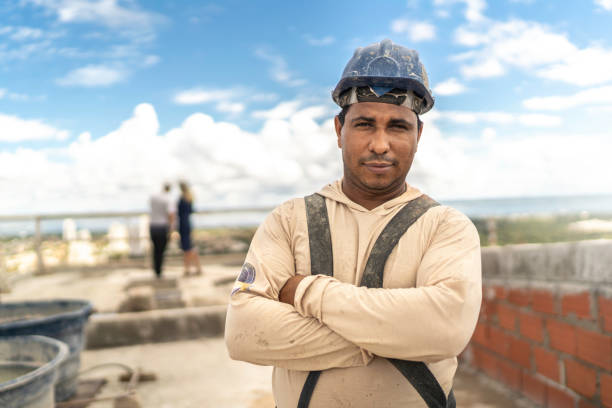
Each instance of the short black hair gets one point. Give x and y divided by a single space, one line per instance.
344 111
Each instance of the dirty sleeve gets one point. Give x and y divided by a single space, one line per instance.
262 330
430 322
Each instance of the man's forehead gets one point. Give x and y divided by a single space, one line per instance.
381 110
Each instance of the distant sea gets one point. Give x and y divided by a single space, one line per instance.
587 205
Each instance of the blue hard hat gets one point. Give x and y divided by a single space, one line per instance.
386 66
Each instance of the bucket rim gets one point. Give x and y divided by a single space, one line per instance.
85 311
62 354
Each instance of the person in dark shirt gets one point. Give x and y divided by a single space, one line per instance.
185 208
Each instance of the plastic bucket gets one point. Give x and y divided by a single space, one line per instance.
28 370
63 320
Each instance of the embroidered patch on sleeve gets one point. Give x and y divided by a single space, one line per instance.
245 279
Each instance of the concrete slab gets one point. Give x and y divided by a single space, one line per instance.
200 374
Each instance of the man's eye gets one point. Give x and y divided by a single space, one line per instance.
363 124
400 127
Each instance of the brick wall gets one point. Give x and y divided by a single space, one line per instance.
545 326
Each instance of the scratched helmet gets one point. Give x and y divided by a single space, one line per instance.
385 72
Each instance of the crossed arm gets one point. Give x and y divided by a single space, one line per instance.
318 322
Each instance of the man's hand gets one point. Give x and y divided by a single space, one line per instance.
287 293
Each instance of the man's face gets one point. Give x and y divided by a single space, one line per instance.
378 142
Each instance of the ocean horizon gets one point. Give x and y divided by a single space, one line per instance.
584 205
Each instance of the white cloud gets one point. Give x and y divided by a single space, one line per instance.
151 60
15 130
2 93
540 120
533 47
294 153
499 118
230 107
225 164
281 111
319 42
449 87
26 33
93 76
473 8
106 12
280 70
593 96
604 4
415 30
198 96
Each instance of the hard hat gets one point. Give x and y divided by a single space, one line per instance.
385 72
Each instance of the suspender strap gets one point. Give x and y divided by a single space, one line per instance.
321 262
389 237
321 259
308 389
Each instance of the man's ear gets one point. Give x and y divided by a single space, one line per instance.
338 127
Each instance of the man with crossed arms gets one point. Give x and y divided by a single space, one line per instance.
332 339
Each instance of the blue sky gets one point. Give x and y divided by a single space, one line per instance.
102 100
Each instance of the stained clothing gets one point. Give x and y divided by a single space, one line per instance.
184 211
426 311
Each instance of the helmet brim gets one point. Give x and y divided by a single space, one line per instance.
401 83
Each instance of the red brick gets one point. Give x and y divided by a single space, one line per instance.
562 336
510 375
520 352
481 334
519 297
578 303
500 292
606 390
486 362
534 389
488 310
580 378
499 341
507 317
605 313
531 327
556 398
543 301
547 363
595 348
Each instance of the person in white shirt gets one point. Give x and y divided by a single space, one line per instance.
160 224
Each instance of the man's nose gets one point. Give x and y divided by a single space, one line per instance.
379 143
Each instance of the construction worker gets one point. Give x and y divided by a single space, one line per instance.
363 294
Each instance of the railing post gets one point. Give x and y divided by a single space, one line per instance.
492 231
37 246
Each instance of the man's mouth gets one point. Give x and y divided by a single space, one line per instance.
378 166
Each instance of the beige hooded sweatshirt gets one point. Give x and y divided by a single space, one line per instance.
426 310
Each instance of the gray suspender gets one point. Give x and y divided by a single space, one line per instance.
321 259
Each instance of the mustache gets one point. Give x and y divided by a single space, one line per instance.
378 158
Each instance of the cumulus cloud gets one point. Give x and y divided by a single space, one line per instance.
449 87
533 47
226 164
416 31
592 96
604 4
291 155
93 76
15 130
280 69
25 33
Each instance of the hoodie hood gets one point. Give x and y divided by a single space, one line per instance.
333 191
